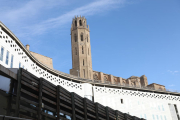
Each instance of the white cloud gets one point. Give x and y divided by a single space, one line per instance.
33 9
172 85
90 9
173 72
30 9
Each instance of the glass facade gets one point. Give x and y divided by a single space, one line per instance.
12 58
7 96
7 57
2 53
5 83
19 65
153 117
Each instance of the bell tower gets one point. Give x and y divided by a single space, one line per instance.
81 49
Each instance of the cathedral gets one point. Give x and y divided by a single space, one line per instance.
82 61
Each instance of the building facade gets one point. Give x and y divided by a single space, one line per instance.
135 99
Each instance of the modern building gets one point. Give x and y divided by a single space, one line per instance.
132 96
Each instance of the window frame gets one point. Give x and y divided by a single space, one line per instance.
7 57
2 53
12 60
19 64
81 37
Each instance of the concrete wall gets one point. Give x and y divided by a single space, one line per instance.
136 103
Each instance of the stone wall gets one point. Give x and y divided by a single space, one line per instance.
157 86
43 59
133 81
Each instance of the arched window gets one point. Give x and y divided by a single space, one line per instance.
95 77
83 62
82 50
124 83
80 22
81 37
105 78
87 38
75 23
75 51
75 37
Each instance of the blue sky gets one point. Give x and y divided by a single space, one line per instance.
128 37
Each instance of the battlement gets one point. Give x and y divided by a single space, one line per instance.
79 22
133 81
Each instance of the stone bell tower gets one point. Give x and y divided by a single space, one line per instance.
81 49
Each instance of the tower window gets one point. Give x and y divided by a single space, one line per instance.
87 38
80 22
75 51
84 72
75 23
83 62
82 50
81 37
88 51
75 38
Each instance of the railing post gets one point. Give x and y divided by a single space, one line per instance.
58 101
125 116
107 113
18 92
96 109
40 99
4 117
116 115
73 106
85 108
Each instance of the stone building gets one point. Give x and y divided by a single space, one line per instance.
82 61
81 49
41 58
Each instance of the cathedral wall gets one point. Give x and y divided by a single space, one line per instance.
43 59
133 81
